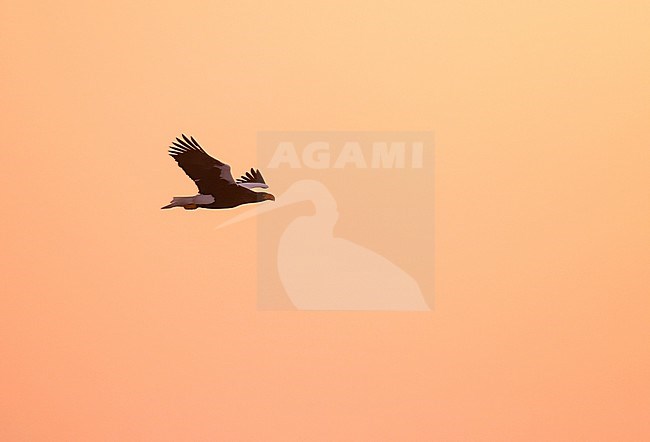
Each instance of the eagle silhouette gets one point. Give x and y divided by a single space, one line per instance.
217 187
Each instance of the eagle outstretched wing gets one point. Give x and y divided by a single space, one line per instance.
209 174
252 179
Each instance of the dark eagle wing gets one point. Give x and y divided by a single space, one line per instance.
209 174
252 179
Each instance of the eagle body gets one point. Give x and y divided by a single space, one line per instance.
217 187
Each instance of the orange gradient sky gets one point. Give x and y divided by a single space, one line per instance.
119 321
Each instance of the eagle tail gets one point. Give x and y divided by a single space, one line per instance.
179 201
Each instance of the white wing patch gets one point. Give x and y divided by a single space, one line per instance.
203 199
253 185
225 173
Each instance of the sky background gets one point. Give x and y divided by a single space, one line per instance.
122 322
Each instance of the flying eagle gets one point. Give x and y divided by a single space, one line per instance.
217 188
